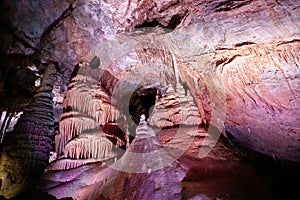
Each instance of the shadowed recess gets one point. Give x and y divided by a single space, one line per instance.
141 102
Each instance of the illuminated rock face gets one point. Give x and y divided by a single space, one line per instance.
87 107
262 94
264 108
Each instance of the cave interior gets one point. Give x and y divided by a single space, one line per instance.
98 101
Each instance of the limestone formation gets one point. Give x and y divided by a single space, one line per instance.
176 108
143 130
26 150
87 108
68 164
88 146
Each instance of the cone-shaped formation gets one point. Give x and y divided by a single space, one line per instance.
143 174
143 128
175 108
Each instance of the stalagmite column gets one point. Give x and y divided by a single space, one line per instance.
25 153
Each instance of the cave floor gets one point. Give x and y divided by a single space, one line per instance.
222 174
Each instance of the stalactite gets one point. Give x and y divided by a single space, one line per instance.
65 164
91 99
82 99
72 127
8 122
3 125
87 106
88 145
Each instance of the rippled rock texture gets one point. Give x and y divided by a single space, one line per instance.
230 67
25 151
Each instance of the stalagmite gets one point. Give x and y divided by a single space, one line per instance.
26 152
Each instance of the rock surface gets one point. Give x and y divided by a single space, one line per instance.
221 174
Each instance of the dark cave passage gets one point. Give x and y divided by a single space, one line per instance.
147 24
173 23
141 102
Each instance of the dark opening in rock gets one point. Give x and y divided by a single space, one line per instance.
142 102
172 24
148 24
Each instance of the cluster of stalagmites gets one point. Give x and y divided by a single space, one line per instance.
177 107
89 123
85 125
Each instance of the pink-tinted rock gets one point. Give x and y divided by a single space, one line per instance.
239 60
